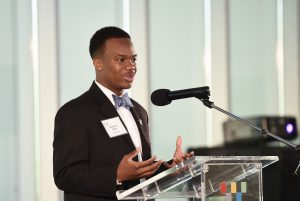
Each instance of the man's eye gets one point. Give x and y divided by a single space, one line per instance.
133 60
120 60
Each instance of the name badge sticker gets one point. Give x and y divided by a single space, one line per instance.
114 127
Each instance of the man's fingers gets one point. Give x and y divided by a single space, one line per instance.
167 165
178 142
189 155
178 152
149 170
146 162
147 174
134 153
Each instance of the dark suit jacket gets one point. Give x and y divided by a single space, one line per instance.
85 158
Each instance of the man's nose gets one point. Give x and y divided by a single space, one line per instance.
131 67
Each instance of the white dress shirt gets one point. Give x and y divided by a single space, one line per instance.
126 117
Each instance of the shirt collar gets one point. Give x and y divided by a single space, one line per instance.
108 92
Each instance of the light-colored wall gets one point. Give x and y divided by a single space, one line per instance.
176 62
77 22
8 136
26 186
231 46
252 54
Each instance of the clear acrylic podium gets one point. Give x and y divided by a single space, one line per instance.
206 178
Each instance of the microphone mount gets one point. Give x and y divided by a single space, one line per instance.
263 131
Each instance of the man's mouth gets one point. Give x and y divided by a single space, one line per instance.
129 77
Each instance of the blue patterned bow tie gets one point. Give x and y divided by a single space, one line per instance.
122 101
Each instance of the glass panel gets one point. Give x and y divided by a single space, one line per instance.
8 148
252 56
17 172
202 177
76 27
176 62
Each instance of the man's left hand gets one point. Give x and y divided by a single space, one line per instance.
178 156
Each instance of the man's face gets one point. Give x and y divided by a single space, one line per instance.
116 67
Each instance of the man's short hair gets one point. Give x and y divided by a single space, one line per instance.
97 42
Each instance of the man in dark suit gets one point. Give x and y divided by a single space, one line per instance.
101 139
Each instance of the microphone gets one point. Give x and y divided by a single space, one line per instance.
162 97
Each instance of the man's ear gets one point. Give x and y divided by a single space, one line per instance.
97 63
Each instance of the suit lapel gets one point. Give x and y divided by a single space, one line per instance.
140 123
107 109
142 126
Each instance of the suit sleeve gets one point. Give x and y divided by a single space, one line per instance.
71 169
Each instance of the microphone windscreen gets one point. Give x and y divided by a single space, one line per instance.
160 97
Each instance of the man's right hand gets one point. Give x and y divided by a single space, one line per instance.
130 170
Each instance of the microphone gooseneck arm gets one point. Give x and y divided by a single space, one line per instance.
263 131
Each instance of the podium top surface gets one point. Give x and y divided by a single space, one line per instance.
191 168
264 160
